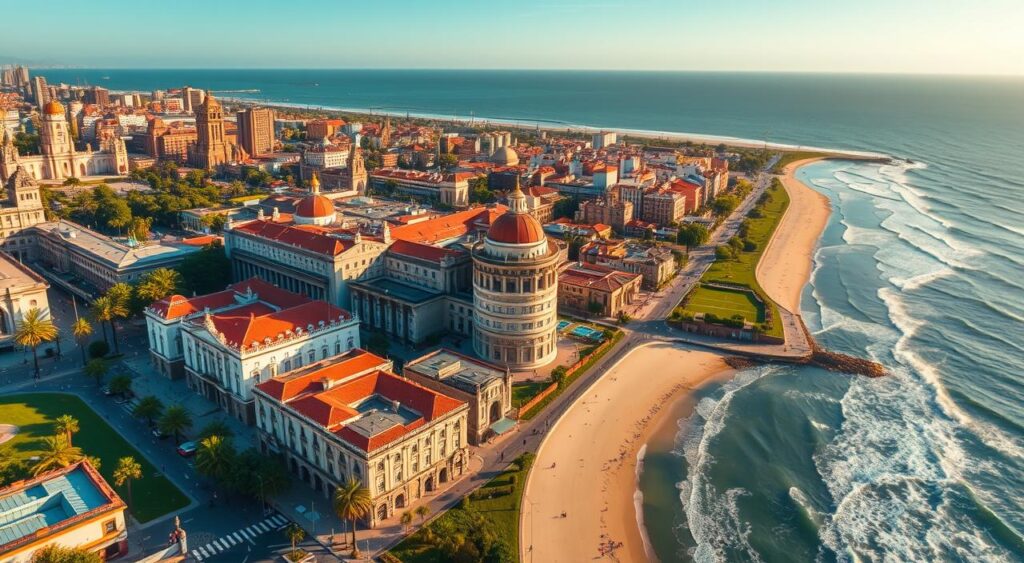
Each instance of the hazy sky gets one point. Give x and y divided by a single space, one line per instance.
924 36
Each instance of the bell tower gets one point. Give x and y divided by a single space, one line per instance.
211 148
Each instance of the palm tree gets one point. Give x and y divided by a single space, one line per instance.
214 456
175 420
406 520
422 511
66 425
56 552
295 534
121 385
82 330
158 284
351 502
149 408
97 369
216 428
108 309
33 330
128 470
58 453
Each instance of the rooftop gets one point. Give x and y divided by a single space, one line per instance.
354 397
14 276
52 501
459 371
114 253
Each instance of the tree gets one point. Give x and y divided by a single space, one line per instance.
692 234
724 252
56 553
422 511
97 369
82 330
138 228
33 330
406 520
108 309
479 191
724 205
206 271
216 428
158 284
128 470
736 245
295 534
149 408
594 308
351 502
57 453
558 375
98 349
66 425
623 318
120 385
447 160
214 457
175 420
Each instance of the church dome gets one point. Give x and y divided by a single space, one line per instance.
314 206
505 156
53 107
516 228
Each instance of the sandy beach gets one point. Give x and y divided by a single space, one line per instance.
586 467
786 264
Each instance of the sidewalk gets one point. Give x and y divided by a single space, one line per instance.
146 381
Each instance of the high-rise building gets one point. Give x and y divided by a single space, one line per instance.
40 91
211 148
97 95
193 98
21 76
256 130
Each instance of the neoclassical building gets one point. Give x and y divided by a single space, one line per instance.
59 159
515 290
350 417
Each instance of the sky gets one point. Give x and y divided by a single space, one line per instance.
893 36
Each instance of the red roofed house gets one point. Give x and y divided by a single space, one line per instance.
229 341
449 188
349 416
597 290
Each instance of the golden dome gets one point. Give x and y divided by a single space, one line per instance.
53 107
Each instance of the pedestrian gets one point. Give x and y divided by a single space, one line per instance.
502 456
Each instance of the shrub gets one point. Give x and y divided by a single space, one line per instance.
511 479
464 504
749 245
723 253
525 461
755 213
98 349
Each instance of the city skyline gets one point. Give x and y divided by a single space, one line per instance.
798 36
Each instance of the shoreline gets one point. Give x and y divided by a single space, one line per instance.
549 125
785 267
597 489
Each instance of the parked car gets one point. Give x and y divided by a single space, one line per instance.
187 449
107 391
158 434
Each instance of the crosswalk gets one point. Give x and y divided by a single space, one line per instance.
227 541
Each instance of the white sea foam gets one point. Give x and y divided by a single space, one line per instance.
638 503
713 517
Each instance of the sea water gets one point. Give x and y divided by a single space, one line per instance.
921 267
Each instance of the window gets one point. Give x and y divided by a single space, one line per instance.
109 526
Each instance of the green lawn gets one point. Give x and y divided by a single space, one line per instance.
501 513
34 414
523 392
788 158
743 269
725 303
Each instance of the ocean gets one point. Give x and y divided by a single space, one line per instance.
920 268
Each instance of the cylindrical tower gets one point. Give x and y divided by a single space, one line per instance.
515 291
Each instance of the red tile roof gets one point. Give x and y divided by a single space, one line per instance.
422 251
448 227
176 306
350 379
318 242
256 323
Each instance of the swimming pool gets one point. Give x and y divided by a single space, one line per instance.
586 332
562 325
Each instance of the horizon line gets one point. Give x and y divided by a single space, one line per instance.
580 70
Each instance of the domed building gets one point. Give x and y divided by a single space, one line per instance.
315 209
505 156
515 290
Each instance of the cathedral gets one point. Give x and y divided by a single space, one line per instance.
59 159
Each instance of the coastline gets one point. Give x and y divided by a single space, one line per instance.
594 480
785 267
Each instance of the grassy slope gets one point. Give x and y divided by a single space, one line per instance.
725 303
34 413
788 158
